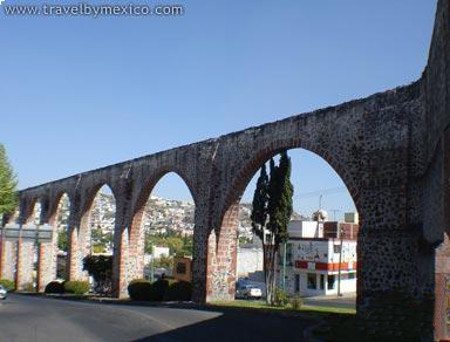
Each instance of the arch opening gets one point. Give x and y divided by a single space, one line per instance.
95 240
161 236
61 230
319 256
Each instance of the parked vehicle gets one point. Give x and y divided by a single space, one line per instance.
249 292
3 292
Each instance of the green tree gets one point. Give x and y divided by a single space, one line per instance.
259 205
164 261
271 212
63 240
280 208
8 184
100 268
101 241
188 245
177 243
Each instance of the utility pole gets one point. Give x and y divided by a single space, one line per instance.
334 213
340 261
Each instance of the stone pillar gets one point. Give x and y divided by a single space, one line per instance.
136 250
121 277
442 292
130 252
46 271
75 257
25 263
123 271
9 259
222 258
75 243
442 265
393 301
199 260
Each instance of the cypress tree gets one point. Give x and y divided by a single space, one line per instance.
8 184
259 204
278 196
285 206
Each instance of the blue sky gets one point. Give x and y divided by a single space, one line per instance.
80 93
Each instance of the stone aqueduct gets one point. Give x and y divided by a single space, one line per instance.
392 150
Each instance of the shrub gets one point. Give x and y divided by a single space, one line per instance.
8 285
159 289
180 290
296 302
281 297
76 287
54 287
140 289
29 287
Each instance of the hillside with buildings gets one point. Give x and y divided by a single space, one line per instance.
161 215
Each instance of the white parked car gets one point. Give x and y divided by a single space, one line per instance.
3 292
249 291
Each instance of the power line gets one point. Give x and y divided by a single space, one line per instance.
327 191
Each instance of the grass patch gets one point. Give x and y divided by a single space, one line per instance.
329 309
247 304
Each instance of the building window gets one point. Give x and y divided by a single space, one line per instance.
297 283
322 282
331 281
337 249
352 275
312 281
181 268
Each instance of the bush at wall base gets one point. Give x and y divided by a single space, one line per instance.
163 289
140 289
54 287
9 285
179 291
159 289
29 287
76 287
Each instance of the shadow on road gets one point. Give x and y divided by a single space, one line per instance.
237 326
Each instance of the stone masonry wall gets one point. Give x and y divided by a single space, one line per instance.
25 264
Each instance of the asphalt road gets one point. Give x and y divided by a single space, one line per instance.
37 319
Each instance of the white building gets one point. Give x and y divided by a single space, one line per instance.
318 265
250 262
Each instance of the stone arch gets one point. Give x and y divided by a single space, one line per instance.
145 192
12 217
28 207
153 180
222 242
55 206
249 169
91 193
135 240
